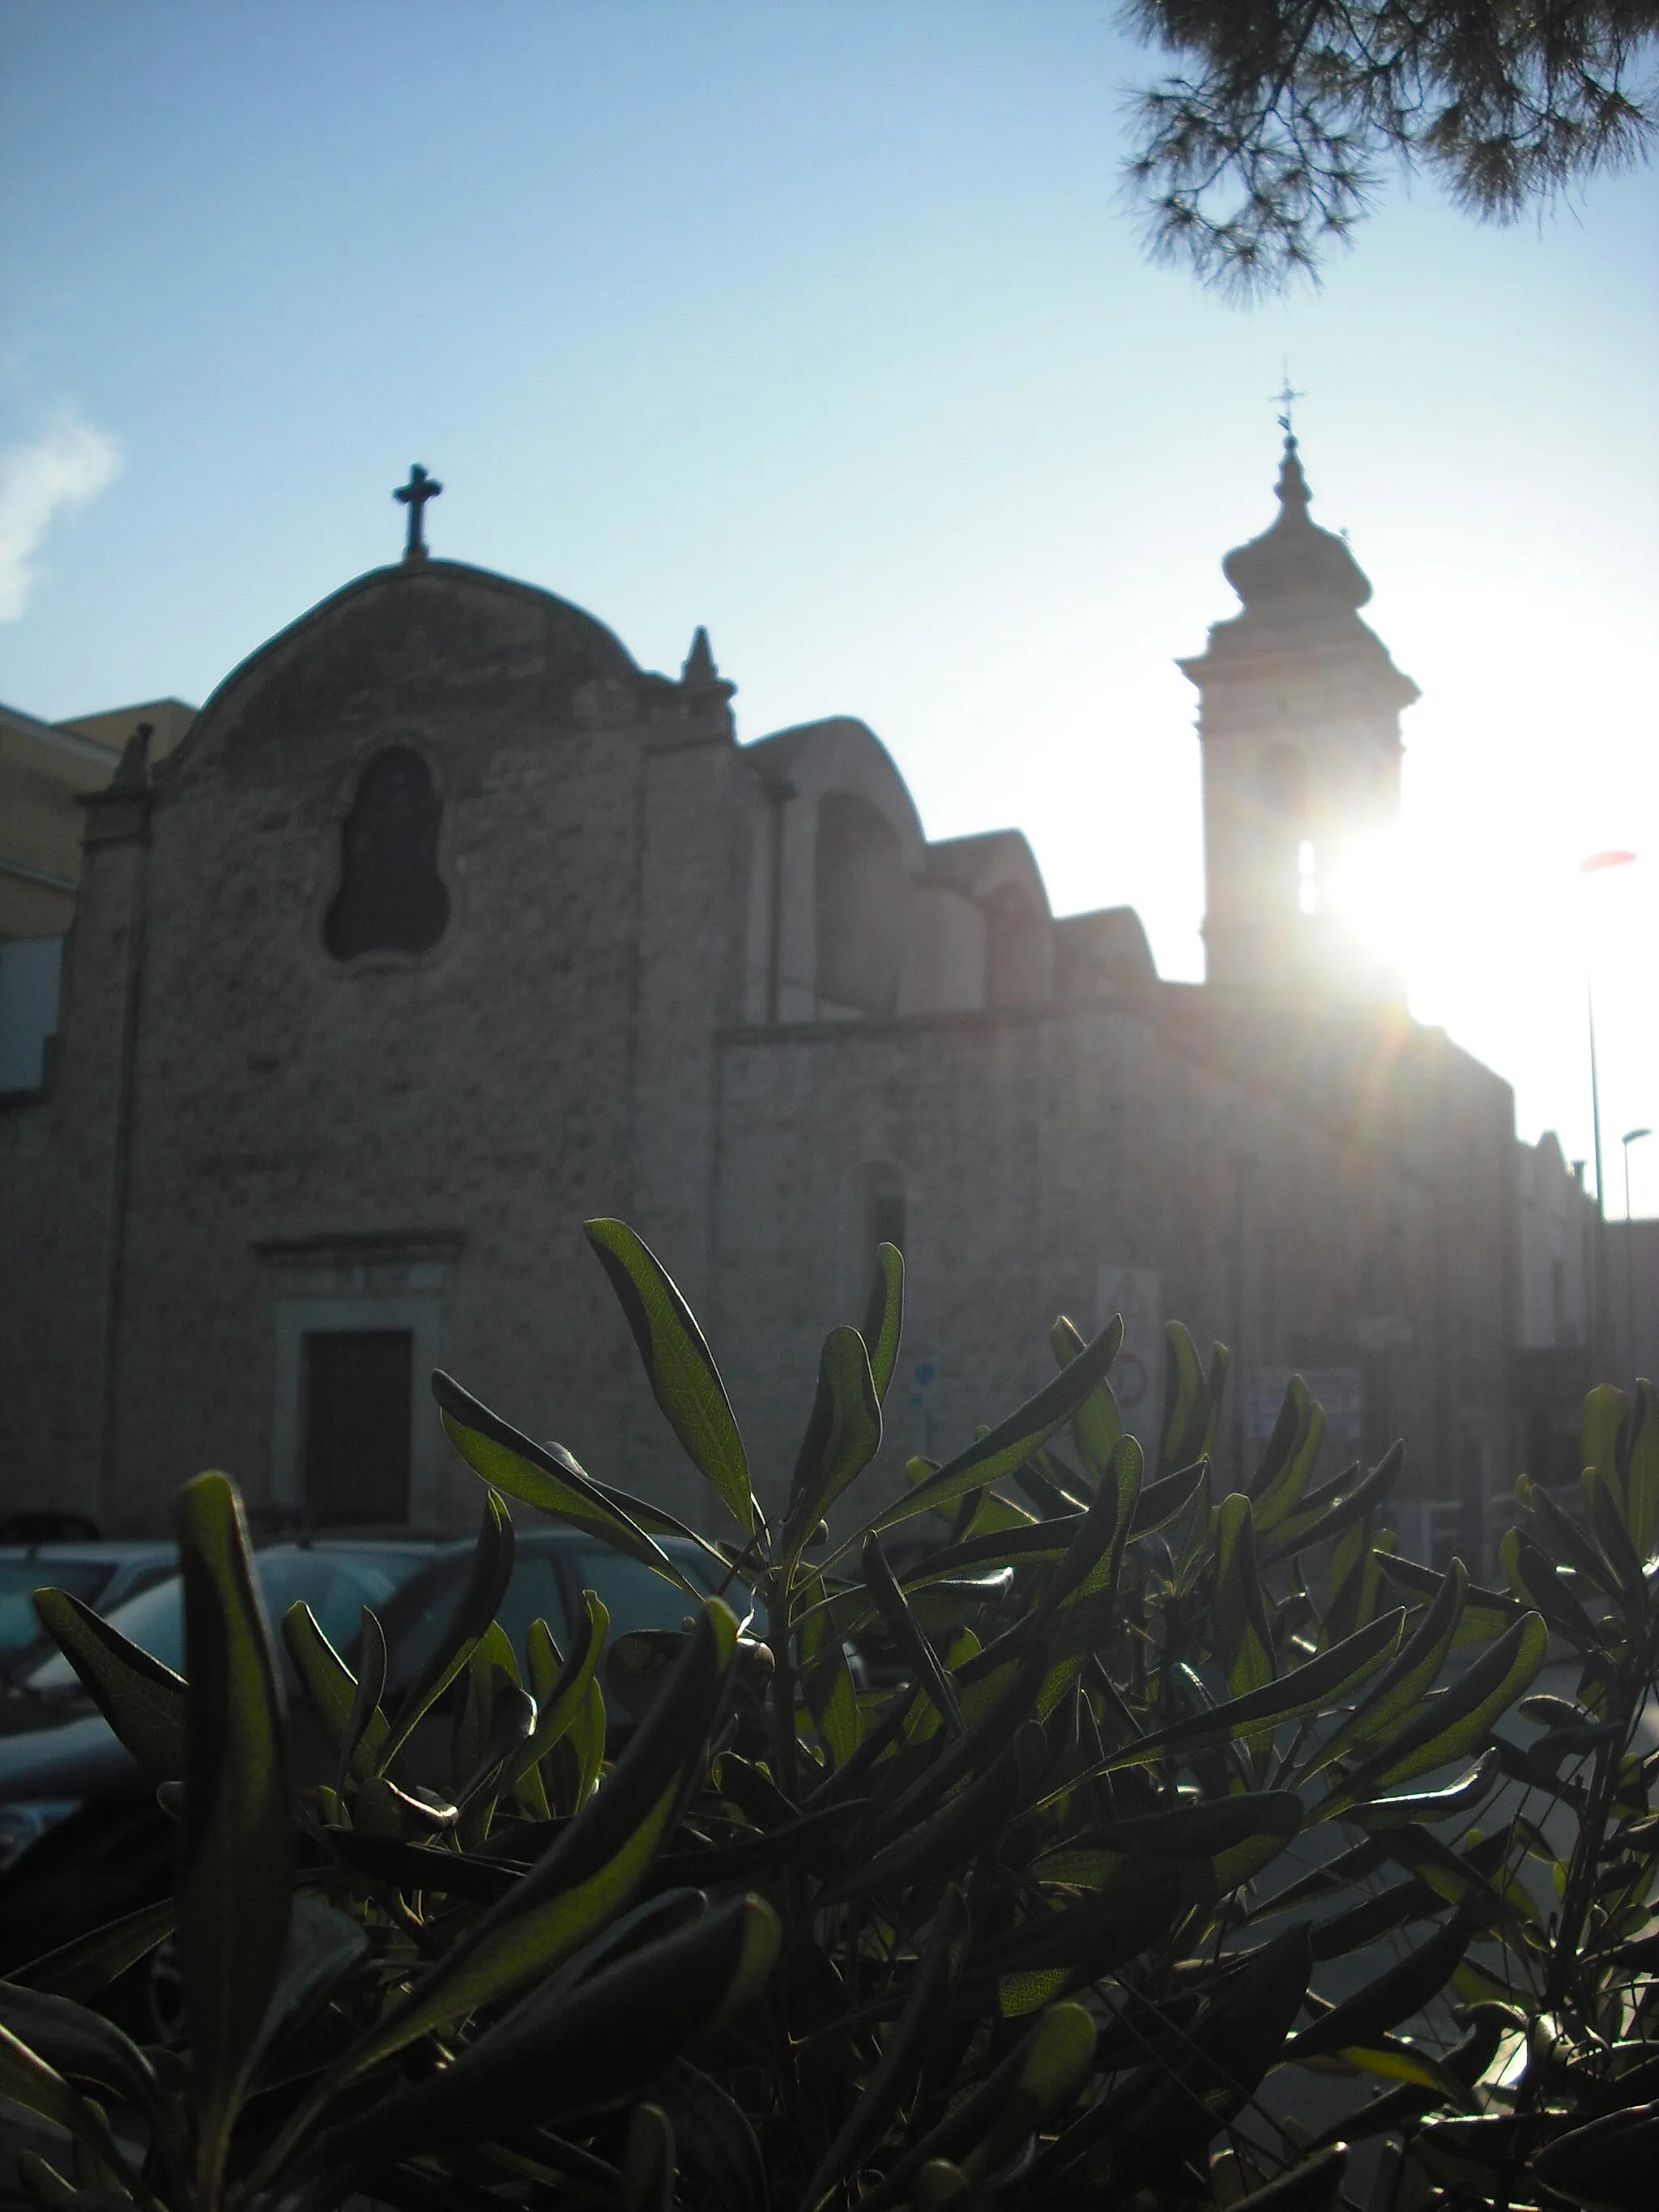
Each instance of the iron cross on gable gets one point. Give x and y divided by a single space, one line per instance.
1285 398
415 494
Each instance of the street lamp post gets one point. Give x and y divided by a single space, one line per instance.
1629 1137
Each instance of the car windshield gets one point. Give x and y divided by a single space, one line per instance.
336 1584
21 1578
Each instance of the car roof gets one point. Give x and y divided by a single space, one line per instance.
104 1547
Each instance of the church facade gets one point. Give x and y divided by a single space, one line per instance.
447 925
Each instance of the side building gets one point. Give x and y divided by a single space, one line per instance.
447 926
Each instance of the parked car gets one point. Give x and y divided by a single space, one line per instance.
103 1573
86 1839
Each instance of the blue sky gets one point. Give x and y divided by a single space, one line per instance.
823 322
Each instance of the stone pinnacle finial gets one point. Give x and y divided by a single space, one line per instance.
132 769
1292 490
414 495
700 661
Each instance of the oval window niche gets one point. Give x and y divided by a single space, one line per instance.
392 897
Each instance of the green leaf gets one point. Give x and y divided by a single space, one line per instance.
1400 1991
843 1435
331 1690
1186 1403
491 1670
90 1963
883 1317
561 1691
1427 1806
1536 1582
918 2026
27 2079
1607 2163
236 1890
592 1871
475 1609
544 1476
678 1364
1215 1392
896 1613
1409 1678
578 2049
1161 1502
826 1680
1206 1850
1607 1519
1312 2187
1314 1688
1001 1450
75 2041
1243 1640
365 1728
1055 2060
1280 1503
1076 1615
1450 1726
324 1946
1641 1470
648 2161
1097 1423
143 1700
1300 1535
1604 1413
969 1823
1559 1532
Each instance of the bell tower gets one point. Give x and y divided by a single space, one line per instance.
1299 707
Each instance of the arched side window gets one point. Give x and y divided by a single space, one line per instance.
392 897
860 892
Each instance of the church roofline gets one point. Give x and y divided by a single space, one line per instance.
401 576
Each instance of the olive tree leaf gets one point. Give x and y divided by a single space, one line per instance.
918 2026
474 1611
1450 1726
883 1317
843 1435
1323 1681
1011 1441
1186 1403
678 1364
1409 1677
236 1891
1395 1995
582 2048
594 1868
26 2079
544 1476
1640 1469
143 1700
1097 1425
79 1969
1243 1639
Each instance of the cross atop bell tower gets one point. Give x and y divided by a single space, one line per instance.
1299 707
414 495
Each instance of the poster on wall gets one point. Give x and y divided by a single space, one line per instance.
1137 1376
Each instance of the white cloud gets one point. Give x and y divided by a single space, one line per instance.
70 465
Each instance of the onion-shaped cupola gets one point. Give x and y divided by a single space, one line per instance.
1295 563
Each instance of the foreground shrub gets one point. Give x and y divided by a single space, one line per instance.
1175 1803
